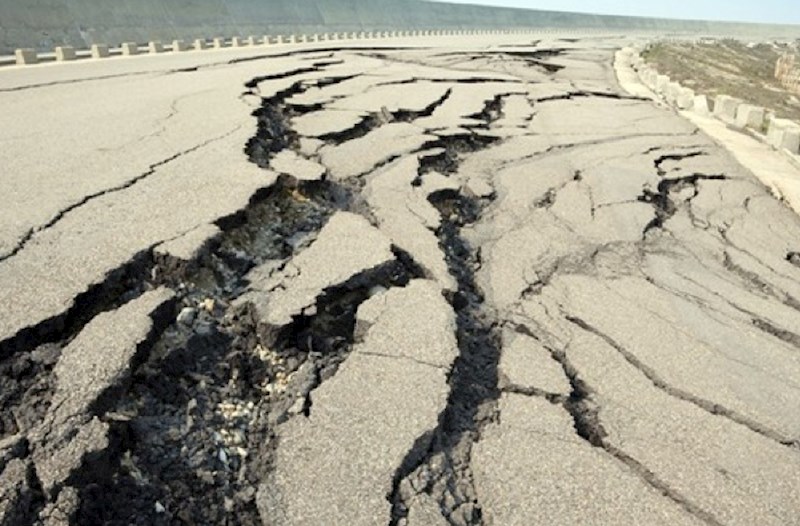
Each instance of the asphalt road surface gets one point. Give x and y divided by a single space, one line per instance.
462 281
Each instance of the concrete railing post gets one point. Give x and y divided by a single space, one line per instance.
278 40
685 98
130 48
725 108
200 44
219 43
784 134
237 42
750 116
700 105
26 56
155 47
100 51
65 53
179 45
252 40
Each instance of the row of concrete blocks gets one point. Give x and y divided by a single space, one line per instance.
67 53
781 133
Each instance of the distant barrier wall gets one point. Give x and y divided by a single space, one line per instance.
44 24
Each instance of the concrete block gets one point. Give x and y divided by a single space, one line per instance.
749 116
26 56
200 44
237 42
278 40
784 134
179 45
662 81
725 107
315 38
700 105
130 48
155 47
253 40
100 51
219 43
65 53
292 39
685 99
672 91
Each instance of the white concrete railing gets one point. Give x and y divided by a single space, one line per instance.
24 57
67 53
782 134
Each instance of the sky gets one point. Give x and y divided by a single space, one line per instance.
769 11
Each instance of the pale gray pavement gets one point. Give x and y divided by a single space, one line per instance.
472 281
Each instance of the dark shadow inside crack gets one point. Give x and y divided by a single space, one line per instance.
439 462
663 201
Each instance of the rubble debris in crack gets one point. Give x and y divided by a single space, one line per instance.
394 385
188 425
199 412
20 494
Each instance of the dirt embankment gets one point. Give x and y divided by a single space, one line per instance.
729 67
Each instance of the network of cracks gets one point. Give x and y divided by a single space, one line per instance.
192 423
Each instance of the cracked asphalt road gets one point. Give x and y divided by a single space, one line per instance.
463 281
